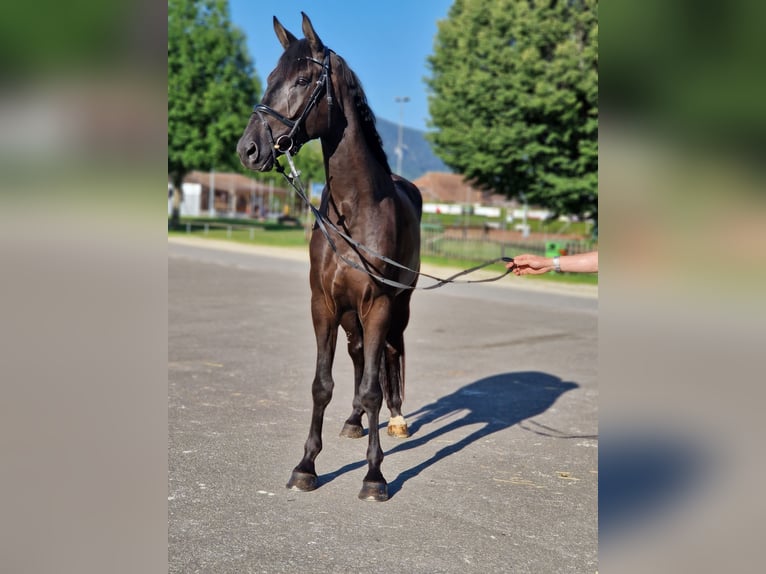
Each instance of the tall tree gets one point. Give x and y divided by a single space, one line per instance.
514 98
212 87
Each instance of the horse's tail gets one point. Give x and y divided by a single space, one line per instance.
392 372
401 366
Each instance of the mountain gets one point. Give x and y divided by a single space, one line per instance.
418 157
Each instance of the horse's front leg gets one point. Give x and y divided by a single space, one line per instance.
375 327
304 475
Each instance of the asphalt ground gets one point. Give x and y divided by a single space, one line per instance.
500 473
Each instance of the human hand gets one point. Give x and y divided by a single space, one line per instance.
528 264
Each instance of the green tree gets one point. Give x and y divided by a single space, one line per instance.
514 99
212 87
309 161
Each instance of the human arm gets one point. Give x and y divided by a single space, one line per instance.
528 264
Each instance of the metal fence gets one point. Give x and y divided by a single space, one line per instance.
467 244
237 229
481 245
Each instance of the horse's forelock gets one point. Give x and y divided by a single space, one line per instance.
292 59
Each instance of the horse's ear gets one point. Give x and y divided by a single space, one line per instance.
311 35
284 36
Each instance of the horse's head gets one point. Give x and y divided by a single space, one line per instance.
297 104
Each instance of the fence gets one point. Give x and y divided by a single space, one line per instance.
451 243
481 245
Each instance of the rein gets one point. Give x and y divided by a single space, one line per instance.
323 223
286 143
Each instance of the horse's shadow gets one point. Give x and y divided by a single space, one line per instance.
497 402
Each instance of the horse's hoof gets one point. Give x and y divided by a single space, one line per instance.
352 431
302 481
375 491
398 431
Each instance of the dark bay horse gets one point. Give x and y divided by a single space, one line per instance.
312 93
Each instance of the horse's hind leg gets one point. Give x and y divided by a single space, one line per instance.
376 323
393 374
352 428
394 388
304 475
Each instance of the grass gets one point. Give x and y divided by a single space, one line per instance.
462 256
249 232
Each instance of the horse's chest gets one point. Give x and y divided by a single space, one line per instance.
349 289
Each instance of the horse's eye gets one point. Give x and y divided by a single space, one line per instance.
302 81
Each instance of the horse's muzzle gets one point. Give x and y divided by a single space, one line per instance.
253 157
248 152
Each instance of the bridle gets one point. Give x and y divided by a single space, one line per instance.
288 142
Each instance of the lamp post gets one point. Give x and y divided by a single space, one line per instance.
211 194
399 151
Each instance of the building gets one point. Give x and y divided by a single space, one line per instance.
235 195
442 187
438 187
451 194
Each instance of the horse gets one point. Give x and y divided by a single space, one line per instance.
362 282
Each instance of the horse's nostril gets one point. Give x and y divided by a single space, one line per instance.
252 149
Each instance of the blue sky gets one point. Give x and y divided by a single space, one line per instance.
386 42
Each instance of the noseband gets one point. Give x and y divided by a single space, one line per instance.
287 142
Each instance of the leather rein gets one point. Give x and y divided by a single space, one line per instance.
286 144
325 225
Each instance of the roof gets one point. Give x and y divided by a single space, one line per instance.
447 187
228 181
453 188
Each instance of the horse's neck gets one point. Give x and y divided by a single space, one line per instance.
354 177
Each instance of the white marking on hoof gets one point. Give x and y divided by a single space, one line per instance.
394 421
397 427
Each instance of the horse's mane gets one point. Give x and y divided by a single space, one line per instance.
300 50
365 114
